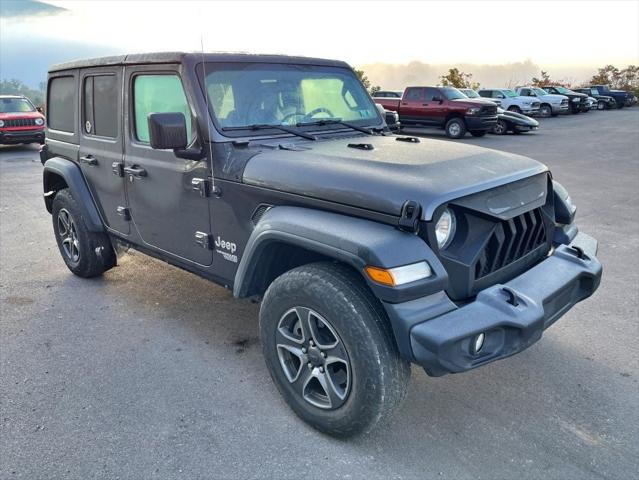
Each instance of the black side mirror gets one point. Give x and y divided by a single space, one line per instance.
167 131
39 110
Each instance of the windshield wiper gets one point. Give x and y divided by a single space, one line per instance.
266 126
336 121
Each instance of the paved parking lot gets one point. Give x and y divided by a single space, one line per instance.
151 372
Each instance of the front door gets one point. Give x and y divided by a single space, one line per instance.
101 150
412 105
166 211
434 107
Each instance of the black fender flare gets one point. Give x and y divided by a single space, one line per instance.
72 175
354 241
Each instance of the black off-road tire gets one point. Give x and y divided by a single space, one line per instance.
378 375
478 133
514 108
91 253
500 128
455 128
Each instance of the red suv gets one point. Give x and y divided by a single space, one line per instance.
20 121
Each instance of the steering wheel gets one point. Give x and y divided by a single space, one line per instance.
314 112
309 115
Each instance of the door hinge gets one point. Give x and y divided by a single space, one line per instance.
118 169
204 240
205 187
125 212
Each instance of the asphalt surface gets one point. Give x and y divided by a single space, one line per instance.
151 372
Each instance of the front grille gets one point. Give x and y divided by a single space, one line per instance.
488 110
564 101
20 122
511 240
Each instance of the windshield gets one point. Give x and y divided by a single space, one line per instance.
471 93
245 94
540 91
15 105
451 93
509 93
562 90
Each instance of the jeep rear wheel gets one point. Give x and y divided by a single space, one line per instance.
455 128
330 350
86 254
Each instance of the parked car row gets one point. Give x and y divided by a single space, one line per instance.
459 111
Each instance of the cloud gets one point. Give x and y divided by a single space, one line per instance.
17 9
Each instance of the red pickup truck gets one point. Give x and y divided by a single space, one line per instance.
443 107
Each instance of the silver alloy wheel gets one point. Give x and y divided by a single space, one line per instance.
601 105
500 127
454 129
68 235
313 358
545 111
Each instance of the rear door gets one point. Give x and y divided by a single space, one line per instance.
101 146
412 106
167 212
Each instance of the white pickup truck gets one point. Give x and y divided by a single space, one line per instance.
511 101
551 104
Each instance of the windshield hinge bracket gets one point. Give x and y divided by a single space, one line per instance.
409 219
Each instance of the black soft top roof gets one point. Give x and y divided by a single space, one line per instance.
192 57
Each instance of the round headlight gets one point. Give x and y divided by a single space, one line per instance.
39 121
1 123
445 229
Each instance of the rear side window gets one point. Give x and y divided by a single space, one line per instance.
158 94
414 94
61 104
485 93
101 99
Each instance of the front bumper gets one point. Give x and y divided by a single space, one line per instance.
9 137
486 122
512 316
562 108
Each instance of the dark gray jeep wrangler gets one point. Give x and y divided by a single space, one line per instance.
276 177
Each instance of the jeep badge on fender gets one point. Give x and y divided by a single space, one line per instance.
367 253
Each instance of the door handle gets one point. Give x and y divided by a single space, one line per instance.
135 171
424 104
89 160
404 103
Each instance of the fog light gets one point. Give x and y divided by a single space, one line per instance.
478 343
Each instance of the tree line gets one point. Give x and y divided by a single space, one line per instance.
620 79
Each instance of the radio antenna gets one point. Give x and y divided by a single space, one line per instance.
214 189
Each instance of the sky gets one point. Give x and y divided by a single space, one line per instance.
551 35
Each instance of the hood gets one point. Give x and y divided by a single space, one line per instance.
431 172
549 97
473 102
9 115
519 118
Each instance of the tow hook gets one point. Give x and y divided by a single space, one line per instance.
409 219
513 299
579 252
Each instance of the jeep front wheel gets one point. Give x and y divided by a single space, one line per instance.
330 350
87 254
455 128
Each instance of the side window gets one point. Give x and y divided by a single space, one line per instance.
594 91
485 93
414 94
524 92
100 105
430 93
158 94
497 94
61 104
